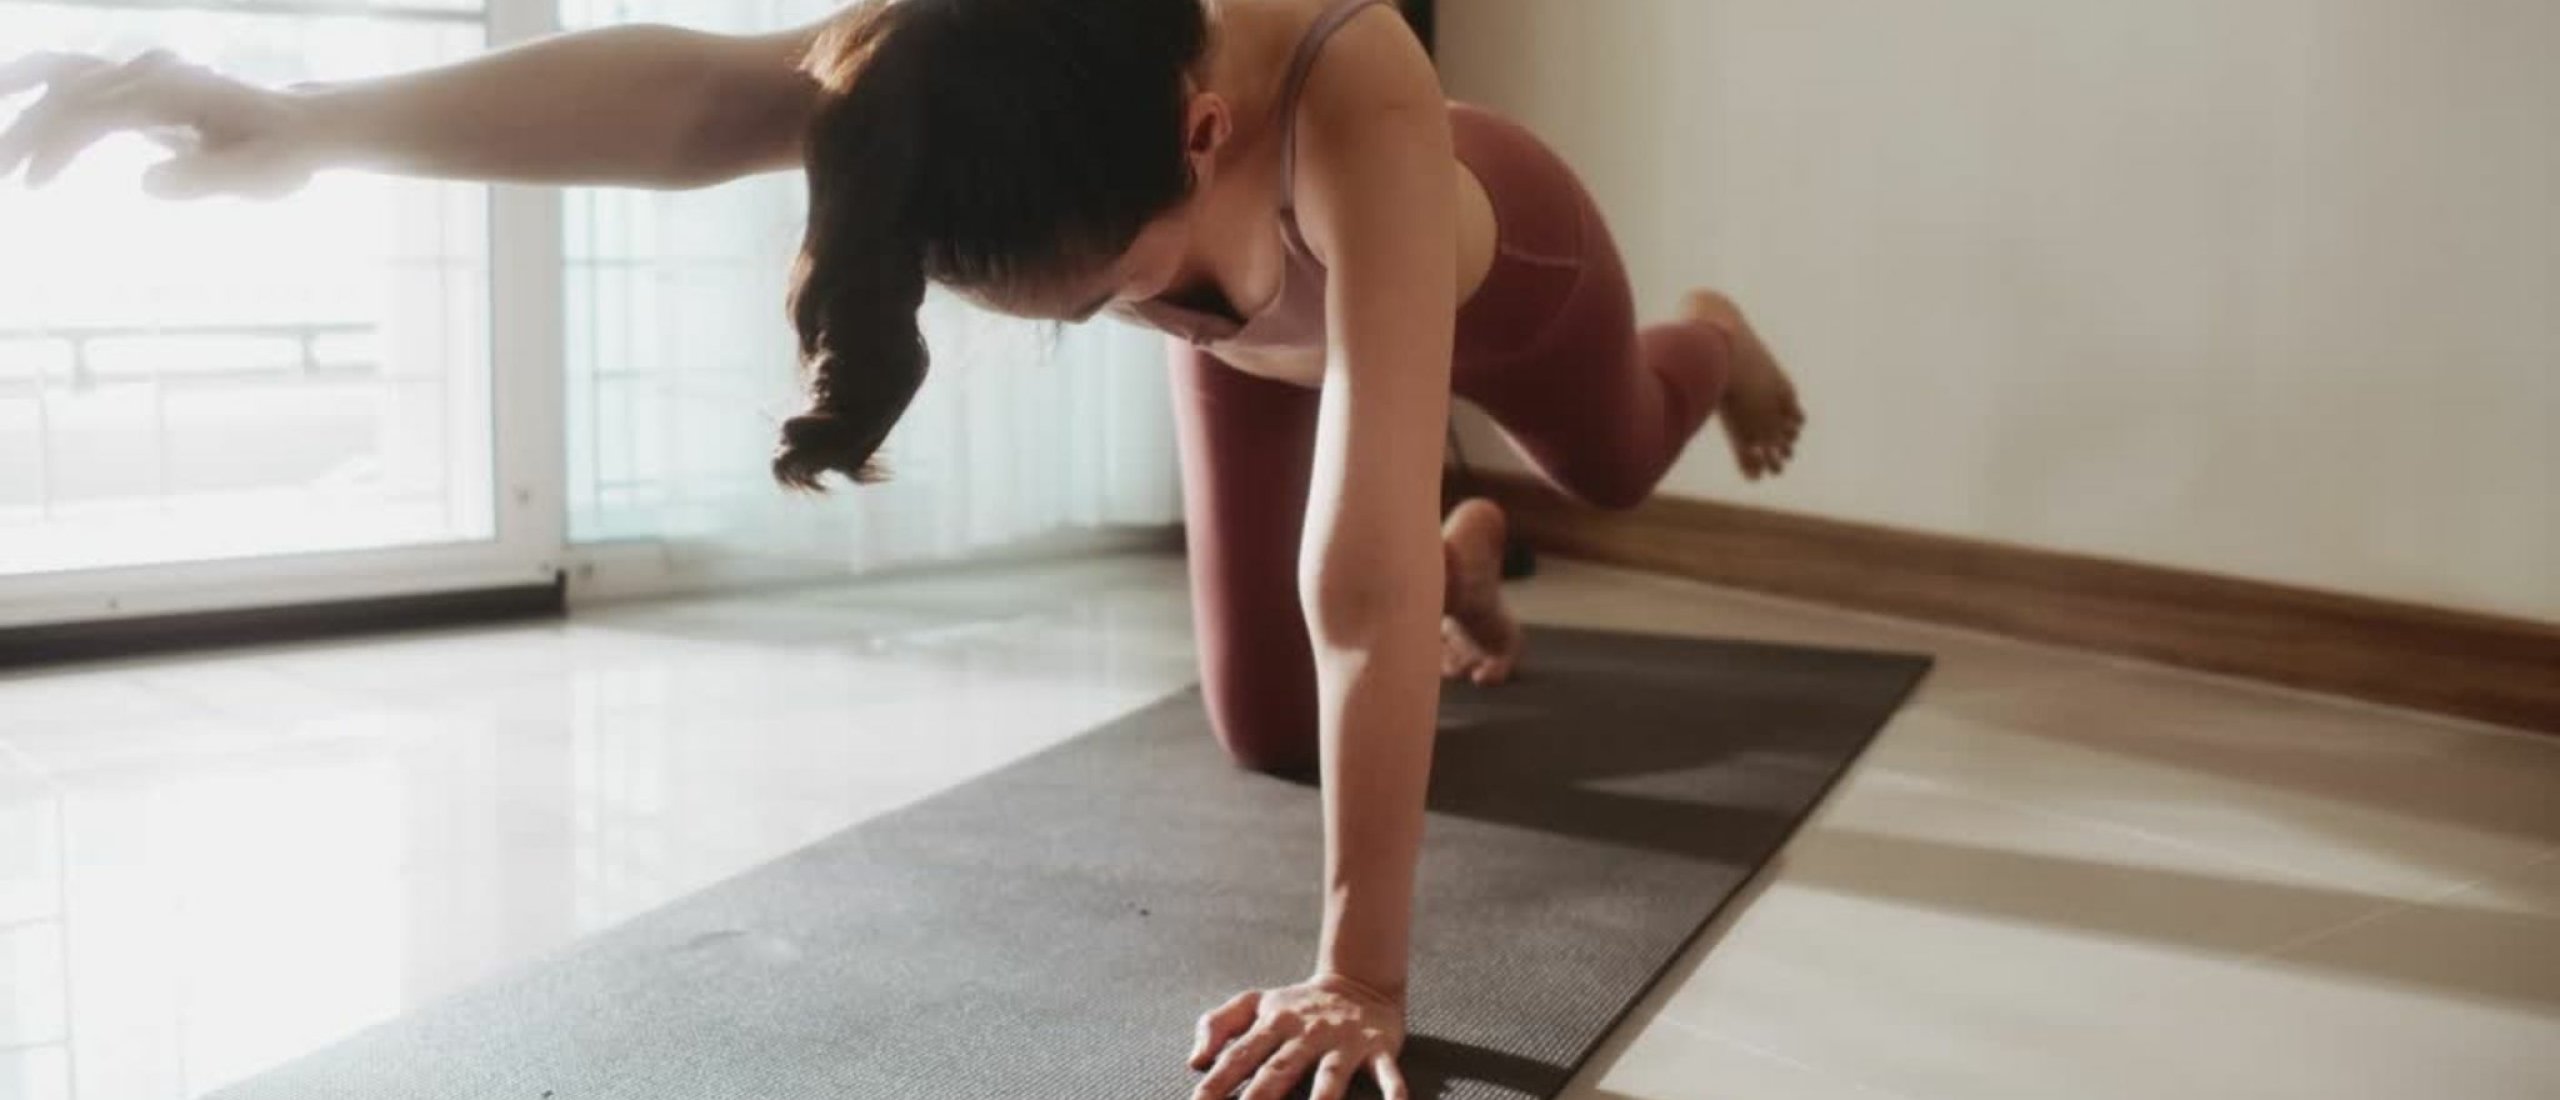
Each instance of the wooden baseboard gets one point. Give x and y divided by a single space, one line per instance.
2450 662
115 639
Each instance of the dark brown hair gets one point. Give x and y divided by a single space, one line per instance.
977 143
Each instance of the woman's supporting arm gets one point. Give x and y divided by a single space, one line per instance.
1375 195
1376 204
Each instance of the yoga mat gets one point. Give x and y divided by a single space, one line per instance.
1053 929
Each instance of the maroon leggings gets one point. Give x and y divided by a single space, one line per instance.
1548 347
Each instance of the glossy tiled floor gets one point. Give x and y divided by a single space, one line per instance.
2054 876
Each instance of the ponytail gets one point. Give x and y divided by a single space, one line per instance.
859 278
994 146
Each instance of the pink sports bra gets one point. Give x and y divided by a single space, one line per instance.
1296 318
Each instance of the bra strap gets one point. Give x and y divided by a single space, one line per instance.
1301 67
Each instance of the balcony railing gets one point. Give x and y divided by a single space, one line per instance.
190 355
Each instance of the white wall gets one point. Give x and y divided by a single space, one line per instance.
2268 288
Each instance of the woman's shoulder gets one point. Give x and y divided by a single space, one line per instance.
1319 32
1358 55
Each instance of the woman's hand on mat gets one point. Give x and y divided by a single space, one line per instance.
230 137
1265 1042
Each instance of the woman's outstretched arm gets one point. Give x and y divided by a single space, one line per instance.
643 105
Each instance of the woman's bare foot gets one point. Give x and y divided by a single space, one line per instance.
1760 412
1479 640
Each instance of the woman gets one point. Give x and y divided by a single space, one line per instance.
1280 184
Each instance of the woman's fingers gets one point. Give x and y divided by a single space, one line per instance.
46 67
1222 1024
144 92
1282 1071
247 170
62 76
1242 1058
78 109
1333 1077
1390 1077
1321 1034
72 133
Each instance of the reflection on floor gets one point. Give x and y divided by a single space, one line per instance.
2056 875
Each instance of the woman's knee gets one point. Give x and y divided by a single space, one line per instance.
1613 486
1265 723
1289 753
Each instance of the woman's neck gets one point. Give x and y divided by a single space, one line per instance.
1251 43
1247 64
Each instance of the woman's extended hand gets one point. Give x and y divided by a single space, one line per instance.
230 137
1331 1026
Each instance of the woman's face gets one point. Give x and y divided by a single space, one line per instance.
1147 269
1152 263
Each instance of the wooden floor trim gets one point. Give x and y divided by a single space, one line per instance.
2451 662
116 639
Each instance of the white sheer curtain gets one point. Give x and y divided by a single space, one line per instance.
681 367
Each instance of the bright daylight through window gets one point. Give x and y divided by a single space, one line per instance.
221 379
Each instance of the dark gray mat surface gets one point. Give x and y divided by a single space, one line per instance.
1052 930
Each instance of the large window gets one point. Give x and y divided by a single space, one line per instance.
678 356
382 385
680 363
228 379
